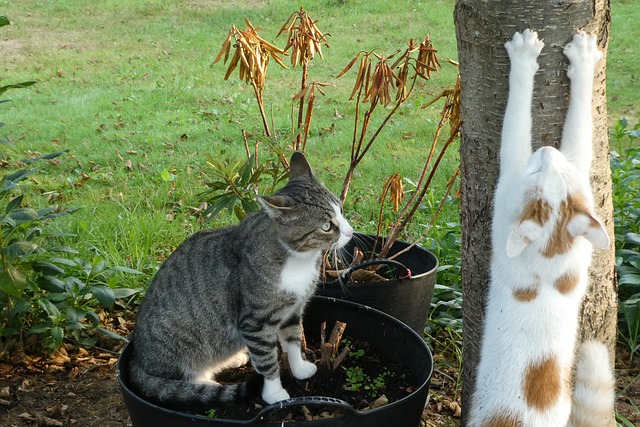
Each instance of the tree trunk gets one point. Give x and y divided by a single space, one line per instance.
482 28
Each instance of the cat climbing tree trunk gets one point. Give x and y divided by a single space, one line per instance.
482 27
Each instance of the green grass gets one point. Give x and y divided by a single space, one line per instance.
135 84
623 62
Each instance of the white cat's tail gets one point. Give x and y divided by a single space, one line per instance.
594 394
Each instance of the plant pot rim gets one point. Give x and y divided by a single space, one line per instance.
403 244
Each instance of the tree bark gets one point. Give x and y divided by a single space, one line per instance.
482 28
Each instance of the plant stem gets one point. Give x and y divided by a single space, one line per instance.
298 140
261 107
433 219
357 152
401 222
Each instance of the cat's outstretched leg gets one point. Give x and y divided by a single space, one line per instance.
515 150
583 55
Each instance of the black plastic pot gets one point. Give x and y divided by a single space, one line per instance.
387 335
406 295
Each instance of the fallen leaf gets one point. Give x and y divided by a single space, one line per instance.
455 408
381 401
50 422
27 416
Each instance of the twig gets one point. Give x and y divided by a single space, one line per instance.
336 333
340 358
325 354
329 349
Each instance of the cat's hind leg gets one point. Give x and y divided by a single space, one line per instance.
237 360
207 374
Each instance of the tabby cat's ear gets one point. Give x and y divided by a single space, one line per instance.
522 234
273 205
590 228
299 167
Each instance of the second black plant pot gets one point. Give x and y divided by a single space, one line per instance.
405 295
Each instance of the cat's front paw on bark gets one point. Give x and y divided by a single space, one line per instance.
583 53
524 48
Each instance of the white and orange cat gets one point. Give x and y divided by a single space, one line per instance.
543 232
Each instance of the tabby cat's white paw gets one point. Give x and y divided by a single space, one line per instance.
582 52
275 396
304 370
272 391
239 359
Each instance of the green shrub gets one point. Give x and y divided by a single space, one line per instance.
234 184
625 168
43 292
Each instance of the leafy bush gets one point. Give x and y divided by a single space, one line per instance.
235 183
43 293
625 168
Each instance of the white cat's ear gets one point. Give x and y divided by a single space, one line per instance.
522 234
591 228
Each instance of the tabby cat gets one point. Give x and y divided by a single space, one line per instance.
543 232
241 287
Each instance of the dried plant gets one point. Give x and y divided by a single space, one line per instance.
251 57
394 189
386 81
375 84
450 114
309 92
305 40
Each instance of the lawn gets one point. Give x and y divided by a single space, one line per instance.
131 92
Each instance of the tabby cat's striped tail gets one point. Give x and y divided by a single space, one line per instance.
177 393
594 394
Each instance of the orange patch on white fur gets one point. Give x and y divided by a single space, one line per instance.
502 420
543 384
561 240
525 294
537 211
567 282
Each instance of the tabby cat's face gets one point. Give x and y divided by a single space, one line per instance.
322 226
307 215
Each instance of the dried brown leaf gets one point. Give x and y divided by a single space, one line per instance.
301 94
360 76
226 47
349 65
